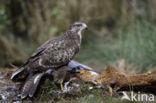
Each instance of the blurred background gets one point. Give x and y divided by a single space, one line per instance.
122 33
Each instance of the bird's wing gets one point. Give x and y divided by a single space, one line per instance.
55 54
56 57
38 52
74 64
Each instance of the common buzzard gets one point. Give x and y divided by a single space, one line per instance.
56 53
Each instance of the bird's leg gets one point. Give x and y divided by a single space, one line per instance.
110 90
66 89
62 88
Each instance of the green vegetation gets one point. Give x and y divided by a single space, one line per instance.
134 43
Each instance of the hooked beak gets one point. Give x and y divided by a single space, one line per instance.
85 26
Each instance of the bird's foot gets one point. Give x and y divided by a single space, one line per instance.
110 90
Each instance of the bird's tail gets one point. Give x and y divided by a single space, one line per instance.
19 74
29 88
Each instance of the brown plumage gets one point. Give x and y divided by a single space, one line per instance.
75 70
29 88
55 53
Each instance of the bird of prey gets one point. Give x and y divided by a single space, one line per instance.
75 70
56 53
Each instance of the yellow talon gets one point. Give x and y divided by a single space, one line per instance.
110 90
62 88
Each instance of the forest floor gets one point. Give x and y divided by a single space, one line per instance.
48 93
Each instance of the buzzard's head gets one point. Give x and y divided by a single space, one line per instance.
78 27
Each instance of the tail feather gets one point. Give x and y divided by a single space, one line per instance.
35 85
31 85
26 88
19 74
